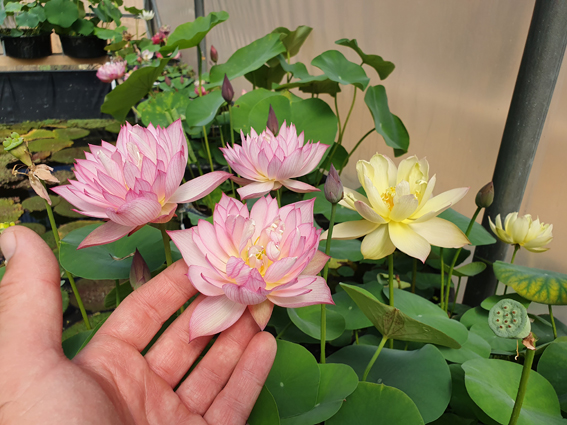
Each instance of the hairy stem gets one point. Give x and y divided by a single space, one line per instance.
523 387
325 274
373 359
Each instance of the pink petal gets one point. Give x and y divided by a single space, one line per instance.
77 199
316 264
174 174
319 294
255 190
213 315
198 187
196 275
107 233
139 271
279 269
261 313
242 294
183 240
135 213
241 181
298 186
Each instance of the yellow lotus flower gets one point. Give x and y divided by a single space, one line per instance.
531 234
400 211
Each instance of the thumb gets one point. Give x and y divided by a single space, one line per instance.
30 299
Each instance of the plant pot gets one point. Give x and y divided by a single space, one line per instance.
27 46
83 47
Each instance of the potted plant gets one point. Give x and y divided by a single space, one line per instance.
77 31
25 32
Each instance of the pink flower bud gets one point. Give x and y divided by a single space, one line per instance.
139 271
273 124
485 196
333 186
167 81
214 54
227 90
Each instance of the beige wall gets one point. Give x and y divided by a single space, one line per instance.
456 65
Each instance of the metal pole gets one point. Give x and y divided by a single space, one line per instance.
202 59
539 69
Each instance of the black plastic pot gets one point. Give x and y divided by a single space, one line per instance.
27 47
83 47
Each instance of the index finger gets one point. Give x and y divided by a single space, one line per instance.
140 316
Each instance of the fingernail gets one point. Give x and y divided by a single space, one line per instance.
8 244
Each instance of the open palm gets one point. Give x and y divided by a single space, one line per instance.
110 382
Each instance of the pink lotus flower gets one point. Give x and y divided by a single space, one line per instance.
158 38
252 260
267 162
135 182
111 71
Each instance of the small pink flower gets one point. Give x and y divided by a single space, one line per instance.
135 182
111 71
267 162
197 86
158 38
252 260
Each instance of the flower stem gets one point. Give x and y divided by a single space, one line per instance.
325 274
516 249
355 148
117 289
356 337
231 127
373 359
391 277
208 148
523 386
279 196
337 112
166 246
199 59
348 116
456 294
69 275
442 279
552 321
413 275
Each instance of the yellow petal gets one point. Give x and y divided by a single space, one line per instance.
368 213
442 201
405 168
441 232
518 229
385 172
350 197
377 244
406 240
404 207
351 229
375 199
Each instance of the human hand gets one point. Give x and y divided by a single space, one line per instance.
109 381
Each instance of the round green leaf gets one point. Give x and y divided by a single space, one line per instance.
553 366
491 301
372 404
499 345
338 381
190 34
382 67
258 117
316 119
64 299
61 12
37 203
265 410
69 155
10 211
353 316
493 386
308 319
71 133
294 39
201 111
49 145
27 19
243 106
344 249
421 374
475 347
293 380
113 260
474 316
541 286
338 68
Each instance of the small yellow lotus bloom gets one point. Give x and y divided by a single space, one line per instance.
530 234
400 211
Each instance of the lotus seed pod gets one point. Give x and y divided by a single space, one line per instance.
509 319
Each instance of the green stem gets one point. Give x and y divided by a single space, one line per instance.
456 295
442 279
325 274
278 336
356 337
337 112
288 62
413 275
348 116
229 169
166 246
516 249
467 233
208 149
199 66
552 321
523 386
391 277
69 275
373 359
117 289
355 148
231 128
279 196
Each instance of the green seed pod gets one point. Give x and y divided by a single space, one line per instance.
509 319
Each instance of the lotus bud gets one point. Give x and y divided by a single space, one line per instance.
214 54
181 80
485 196
167 81
227 90
509 319
333 186
139 271
273 124
16 146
